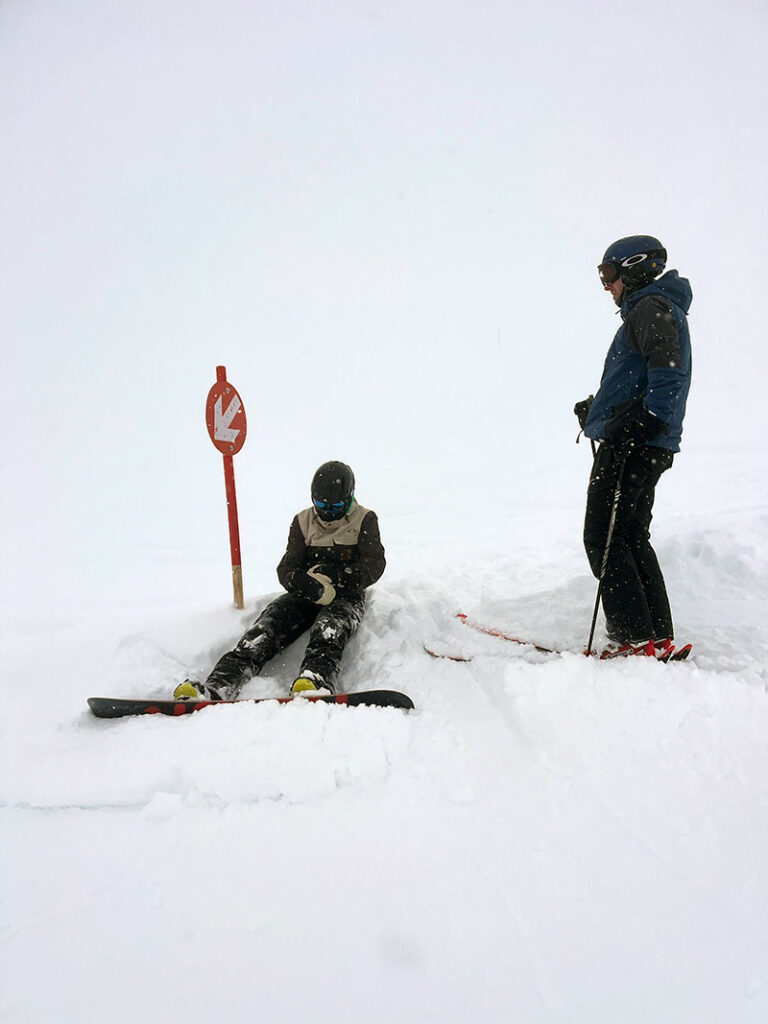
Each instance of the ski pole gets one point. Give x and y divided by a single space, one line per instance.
606 551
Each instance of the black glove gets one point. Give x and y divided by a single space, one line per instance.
631 426
328 569
302 585
581 409
313 585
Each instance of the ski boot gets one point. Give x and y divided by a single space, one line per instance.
628 649
194 691
310 685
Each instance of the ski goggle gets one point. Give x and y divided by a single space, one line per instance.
329 506
609 272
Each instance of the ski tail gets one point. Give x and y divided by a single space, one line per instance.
447 656
490 631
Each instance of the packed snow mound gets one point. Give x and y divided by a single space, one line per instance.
221 756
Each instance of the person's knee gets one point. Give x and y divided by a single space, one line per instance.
255 639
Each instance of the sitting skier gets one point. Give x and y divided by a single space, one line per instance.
334 552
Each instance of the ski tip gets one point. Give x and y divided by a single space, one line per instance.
677 654
381 699
681 653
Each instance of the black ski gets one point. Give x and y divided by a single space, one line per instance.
120 707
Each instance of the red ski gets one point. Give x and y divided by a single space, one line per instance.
680 654
505 636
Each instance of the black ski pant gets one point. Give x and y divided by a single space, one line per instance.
634 595
279 624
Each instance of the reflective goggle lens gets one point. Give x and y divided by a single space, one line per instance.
609 272
330 506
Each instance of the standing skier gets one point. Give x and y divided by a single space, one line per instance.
334 552
637 415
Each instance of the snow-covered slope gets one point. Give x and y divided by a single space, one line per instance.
385 221
583 841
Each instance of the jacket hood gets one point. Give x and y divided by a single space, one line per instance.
670 285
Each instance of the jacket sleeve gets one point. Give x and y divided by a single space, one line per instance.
294 558
371 561
654 333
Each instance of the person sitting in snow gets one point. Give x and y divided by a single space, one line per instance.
637 416
334 553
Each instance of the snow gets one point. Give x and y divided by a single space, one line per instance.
385 222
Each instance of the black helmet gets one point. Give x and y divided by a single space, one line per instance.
333 488
637 260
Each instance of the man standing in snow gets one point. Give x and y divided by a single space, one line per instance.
637 415
334 552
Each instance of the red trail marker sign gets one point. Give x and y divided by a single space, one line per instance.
226 423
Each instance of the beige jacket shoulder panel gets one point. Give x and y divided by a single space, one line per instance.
318 534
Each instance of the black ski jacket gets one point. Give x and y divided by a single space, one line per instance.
349 549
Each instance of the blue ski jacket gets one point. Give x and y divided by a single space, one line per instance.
650 357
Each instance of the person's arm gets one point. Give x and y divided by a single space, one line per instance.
294 559
371 560
654 332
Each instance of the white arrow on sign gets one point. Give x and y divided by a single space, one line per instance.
221 420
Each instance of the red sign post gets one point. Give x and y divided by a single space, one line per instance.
225 420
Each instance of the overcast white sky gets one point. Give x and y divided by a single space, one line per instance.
383 218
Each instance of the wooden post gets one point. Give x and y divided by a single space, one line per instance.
234 530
